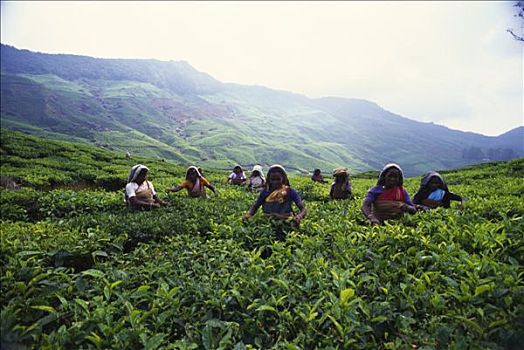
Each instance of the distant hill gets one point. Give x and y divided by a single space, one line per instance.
170 110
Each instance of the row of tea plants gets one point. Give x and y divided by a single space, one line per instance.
79 270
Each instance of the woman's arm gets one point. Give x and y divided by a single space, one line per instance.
251 211
212 188
175 188
408 205
430 203
368 213
418 198
137 203
449 196
455 197
159 201
260 200
408 208
302 212
300 204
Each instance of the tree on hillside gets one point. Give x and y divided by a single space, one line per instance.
500 154
472 153
520 8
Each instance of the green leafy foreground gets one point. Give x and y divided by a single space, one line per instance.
79 270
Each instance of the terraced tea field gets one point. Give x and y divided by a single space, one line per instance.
80 271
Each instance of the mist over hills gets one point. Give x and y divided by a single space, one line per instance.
170 110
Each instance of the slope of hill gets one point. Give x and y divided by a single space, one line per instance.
170 110
81 271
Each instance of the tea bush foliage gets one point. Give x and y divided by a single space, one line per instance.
80 270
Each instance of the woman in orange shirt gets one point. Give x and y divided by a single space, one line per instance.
195 184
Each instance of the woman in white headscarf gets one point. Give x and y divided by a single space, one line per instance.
257 181
139 192
195 184
237 177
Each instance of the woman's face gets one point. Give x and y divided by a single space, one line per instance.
141 177
434 183
276 179
392 178
192 173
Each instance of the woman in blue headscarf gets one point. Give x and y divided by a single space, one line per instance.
434 192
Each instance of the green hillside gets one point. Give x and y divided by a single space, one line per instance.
79 270
169 110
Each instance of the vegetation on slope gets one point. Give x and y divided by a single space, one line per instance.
170 110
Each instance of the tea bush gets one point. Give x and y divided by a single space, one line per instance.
80 270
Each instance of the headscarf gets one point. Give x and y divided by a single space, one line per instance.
340 176
340 171
427 178
135 171
260 171
238 167
194 168
424 190
280 169
382 177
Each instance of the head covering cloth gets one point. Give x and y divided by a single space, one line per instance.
280 169
195 169
340 171
382 177
427 178
260 171
135 171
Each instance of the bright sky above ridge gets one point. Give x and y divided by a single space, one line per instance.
452 63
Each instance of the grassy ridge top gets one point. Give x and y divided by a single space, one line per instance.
81 271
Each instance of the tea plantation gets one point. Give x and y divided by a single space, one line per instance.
80 271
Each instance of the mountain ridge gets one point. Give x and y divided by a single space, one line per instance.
170 110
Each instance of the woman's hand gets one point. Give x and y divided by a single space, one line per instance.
422 207
246 217
373 220
297 218
408 208
174 189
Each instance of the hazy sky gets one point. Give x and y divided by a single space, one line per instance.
452 63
